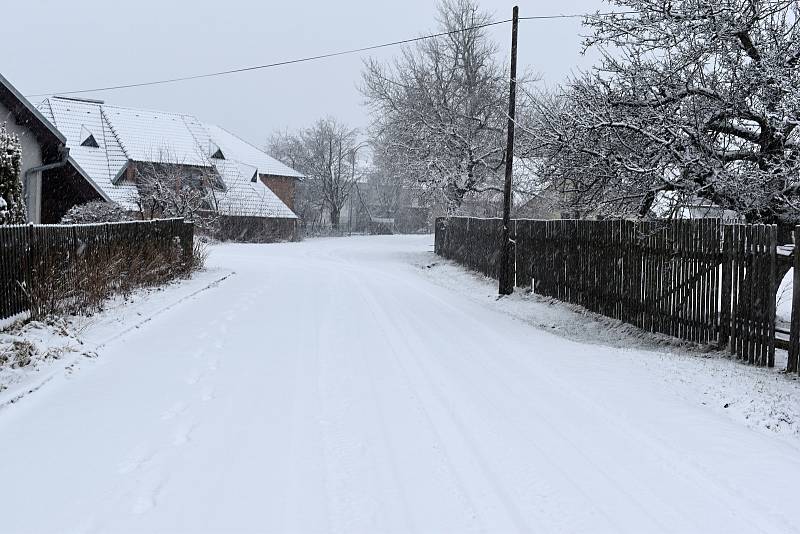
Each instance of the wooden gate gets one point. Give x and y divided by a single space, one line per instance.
748 292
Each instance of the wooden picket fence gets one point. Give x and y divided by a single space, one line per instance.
472 242
45 266
699 280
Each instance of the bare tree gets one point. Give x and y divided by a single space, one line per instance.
385 185
440 108
694 98
170 189
325 154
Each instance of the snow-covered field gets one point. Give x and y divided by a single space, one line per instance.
363 385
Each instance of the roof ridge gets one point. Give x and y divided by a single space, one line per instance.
192 133
114 133
50 108
103 123
148 110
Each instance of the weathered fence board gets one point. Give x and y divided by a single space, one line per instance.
748 290
40 263
697 280
793 364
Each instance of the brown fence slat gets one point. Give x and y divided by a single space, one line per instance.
41 265
794 336
698 280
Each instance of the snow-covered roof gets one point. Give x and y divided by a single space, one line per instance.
240 150
99 165
157 135
126 135
243 197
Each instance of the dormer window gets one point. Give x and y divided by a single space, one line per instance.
254 179
214 151
87 138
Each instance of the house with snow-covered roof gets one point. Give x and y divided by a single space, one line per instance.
43 146
109 145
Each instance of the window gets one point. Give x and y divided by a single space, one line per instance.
87 138
214 151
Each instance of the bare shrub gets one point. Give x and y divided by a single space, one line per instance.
199 256
77 275
22 353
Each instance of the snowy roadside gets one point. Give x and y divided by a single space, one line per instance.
34 353
764 399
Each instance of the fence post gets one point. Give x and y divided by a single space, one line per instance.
187 242
29 237
725 297
772 289
794 339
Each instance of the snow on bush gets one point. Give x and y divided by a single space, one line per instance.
96 211
12 203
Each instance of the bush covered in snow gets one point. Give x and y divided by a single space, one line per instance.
96 211
12 204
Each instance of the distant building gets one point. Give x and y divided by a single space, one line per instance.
109 143
43 146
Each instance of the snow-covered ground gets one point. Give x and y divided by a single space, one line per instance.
363 385
34 353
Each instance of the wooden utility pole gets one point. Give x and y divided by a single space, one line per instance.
506 252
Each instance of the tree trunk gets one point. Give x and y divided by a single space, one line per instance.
335 211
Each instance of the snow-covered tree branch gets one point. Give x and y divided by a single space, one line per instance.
326 154
12 203
692 96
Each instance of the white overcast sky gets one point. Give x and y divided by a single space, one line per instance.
56 45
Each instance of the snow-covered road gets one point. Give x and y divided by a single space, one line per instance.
329 386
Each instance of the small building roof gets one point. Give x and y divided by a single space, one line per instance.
125 135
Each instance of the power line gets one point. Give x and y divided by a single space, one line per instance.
581 16
276 64
311 58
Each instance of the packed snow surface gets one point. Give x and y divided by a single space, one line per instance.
339 385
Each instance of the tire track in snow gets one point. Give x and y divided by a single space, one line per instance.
623 426
440 447
567 392
381 419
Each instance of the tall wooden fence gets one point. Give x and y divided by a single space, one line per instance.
698 280
44 266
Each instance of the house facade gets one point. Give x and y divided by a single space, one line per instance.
110 145
43 146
